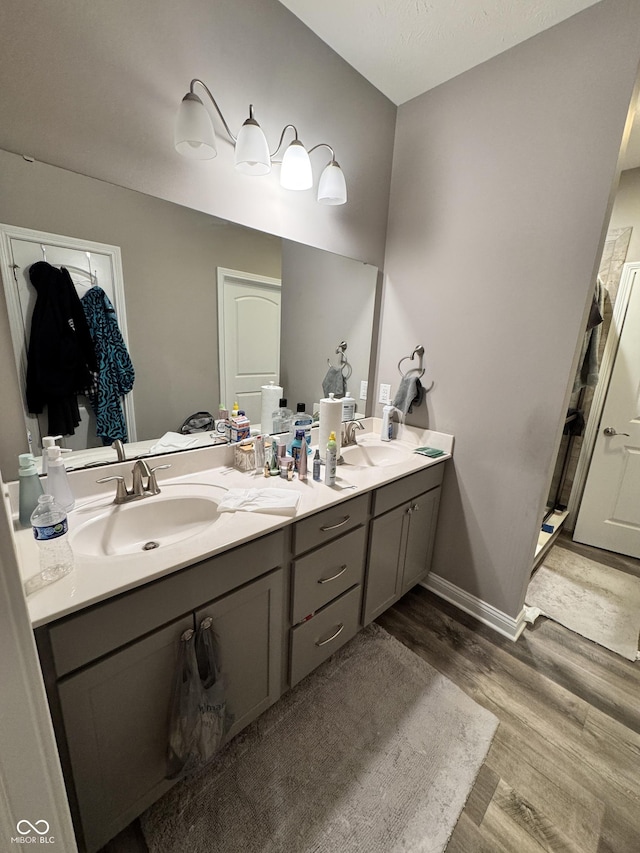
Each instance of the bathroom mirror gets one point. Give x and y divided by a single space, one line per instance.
170 260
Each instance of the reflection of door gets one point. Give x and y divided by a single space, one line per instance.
609 514
249 338
88 264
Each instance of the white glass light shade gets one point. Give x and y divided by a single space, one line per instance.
252 151
194 136
332 187
296 171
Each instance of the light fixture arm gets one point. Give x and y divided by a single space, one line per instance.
284 130
215 104
324 145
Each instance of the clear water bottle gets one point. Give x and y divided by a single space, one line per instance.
50 530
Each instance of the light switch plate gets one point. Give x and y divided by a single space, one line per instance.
385 394
363 389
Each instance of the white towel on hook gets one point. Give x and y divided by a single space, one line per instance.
275 501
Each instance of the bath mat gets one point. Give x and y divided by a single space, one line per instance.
595 601
374 752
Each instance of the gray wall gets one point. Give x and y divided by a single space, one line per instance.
94 87
626 210
501 183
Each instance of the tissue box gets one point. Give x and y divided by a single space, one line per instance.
239 428
245 457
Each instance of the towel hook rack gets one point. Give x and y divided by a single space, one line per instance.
419 351
343 365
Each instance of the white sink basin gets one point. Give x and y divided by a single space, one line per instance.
144 525
374 454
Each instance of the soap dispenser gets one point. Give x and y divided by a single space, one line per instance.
387 431
50 441
30 488
57 479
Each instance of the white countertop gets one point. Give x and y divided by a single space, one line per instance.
98 578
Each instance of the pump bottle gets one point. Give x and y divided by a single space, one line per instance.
57 482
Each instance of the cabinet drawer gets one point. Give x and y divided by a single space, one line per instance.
316 640
386 497
332 522
97 630
324 574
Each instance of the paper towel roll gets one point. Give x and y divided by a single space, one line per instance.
330 421
271 395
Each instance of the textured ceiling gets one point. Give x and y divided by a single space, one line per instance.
405 47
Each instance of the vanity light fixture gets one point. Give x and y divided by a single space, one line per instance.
195 137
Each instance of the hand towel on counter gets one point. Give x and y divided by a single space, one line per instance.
410 392
333 382
174 441
274 501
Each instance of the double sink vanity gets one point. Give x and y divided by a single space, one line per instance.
284 592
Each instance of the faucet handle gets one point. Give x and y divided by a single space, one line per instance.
121 489
153 487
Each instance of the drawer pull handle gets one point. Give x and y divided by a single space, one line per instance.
332 637
343 569
334 526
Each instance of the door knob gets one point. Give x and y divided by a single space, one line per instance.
610 431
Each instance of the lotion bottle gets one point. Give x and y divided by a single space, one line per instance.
58 481
331 460
386 433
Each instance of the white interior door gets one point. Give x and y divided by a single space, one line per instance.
609 515
249 338
88 264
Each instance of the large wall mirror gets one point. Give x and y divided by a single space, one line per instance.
171 257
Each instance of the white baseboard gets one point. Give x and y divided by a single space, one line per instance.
485 613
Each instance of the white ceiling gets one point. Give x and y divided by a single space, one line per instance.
405 47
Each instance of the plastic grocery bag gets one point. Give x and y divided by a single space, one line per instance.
198 717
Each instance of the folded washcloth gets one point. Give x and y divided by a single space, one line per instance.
275 501
410 392
334 382
173 441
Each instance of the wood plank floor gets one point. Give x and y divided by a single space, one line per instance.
563 773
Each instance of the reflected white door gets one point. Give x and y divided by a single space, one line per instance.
609 514
88 263
249 338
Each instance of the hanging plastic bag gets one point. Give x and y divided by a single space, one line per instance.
198 717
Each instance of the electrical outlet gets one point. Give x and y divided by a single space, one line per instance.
363 389
385 394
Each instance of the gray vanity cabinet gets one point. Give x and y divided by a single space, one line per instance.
115 719
401 538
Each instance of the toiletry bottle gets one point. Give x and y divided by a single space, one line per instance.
50 529
220 423
331 460
47 441
348 407
235 409
316 466
282 418
303 420
57 483
387 431
302 461
298 448
30 487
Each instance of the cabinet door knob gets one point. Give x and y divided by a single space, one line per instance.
343 569
332 637
415 507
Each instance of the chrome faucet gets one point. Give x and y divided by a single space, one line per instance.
349 433
139 488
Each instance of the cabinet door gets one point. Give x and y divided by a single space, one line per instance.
386 557
248 626
116 716
423 514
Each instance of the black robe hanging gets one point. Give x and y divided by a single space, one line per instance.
61 355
